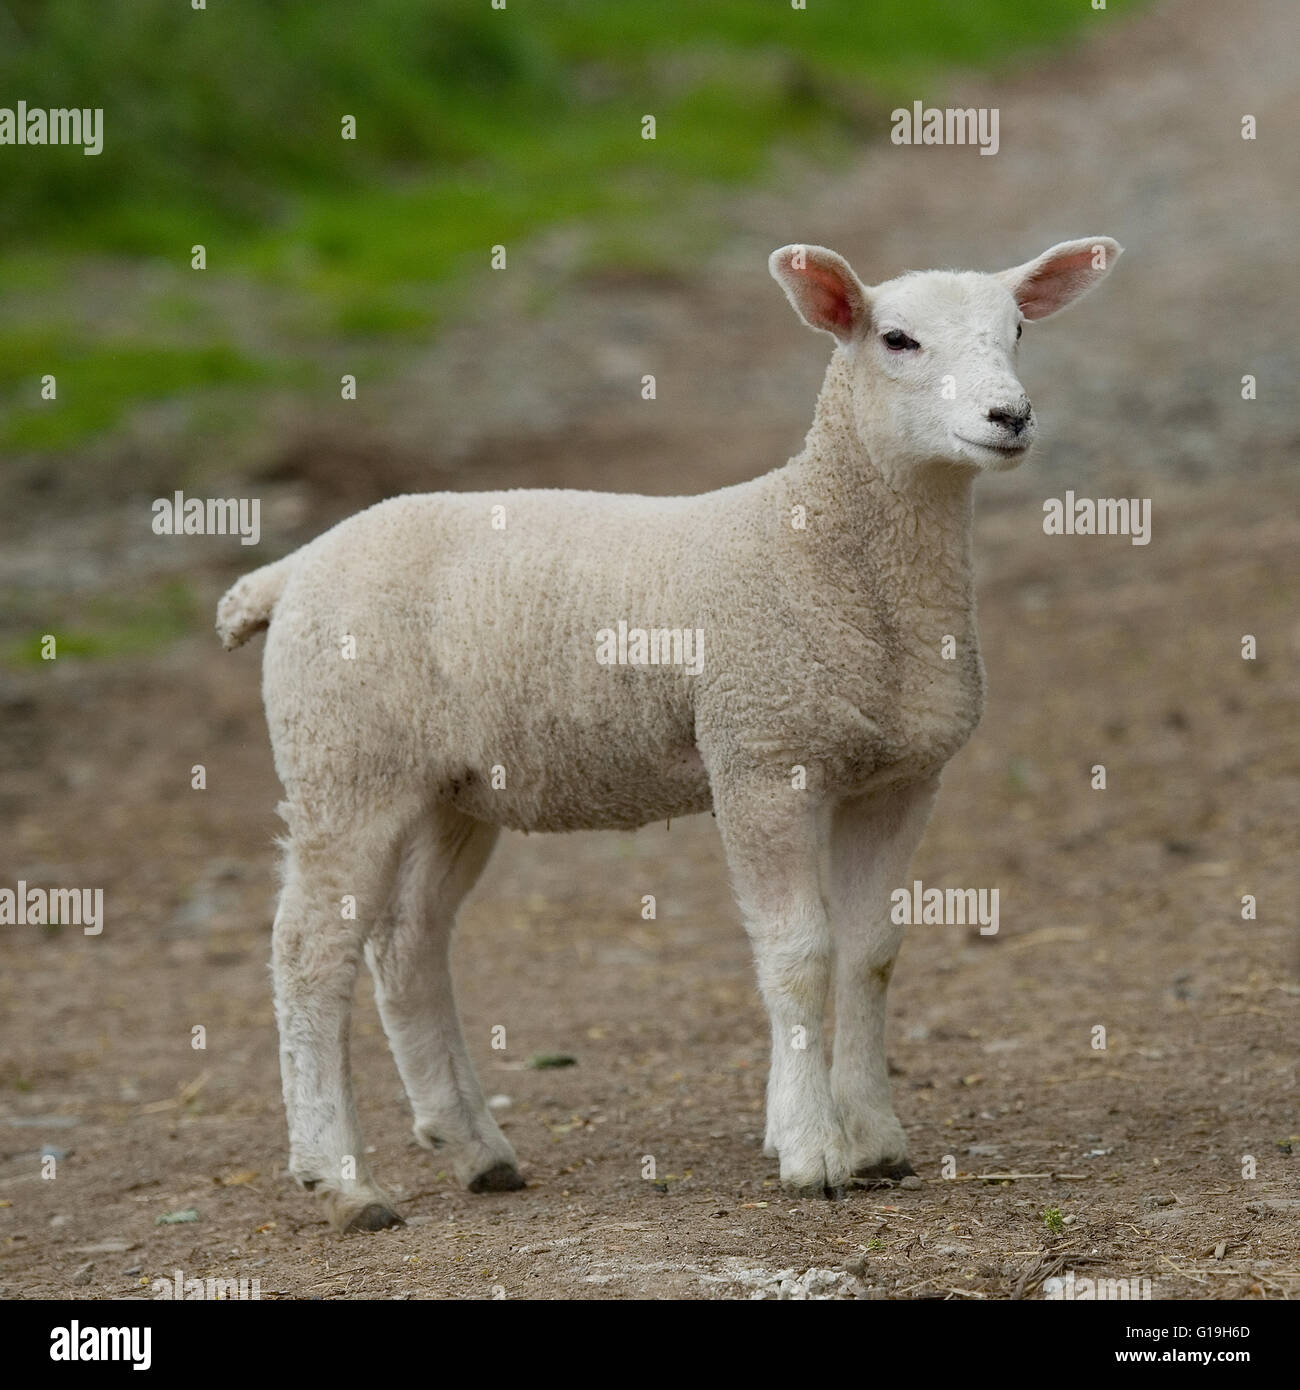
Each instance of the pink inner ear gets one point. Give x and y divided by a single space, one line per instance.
1055 283
826 296
823 298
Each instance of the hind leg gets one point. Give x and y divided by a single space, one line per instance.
335 883
409 959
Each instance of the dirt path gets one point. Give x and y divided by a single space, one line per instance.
1119 908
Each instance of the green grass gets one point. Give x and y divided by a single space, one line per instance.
475 127
96 382
113 626
226 121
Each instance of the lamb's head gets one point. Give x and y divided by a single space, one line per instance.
931 356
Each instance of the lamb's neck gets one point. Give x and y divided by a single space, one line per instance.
908 542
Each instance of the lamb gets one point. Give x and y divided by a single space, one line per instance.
432 673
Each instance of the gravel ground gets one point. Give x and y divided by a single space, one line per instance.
1119 908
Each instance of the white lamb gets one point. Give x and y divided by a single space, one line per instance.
431 674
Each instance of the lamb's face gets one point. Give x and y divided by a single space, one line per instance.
934 374
931 357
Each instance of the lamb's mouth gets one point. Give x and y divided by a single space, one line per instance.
1006 451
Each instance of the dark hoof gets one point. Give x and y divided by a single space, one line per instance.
501 1177
814 1193
374 1217
885 1172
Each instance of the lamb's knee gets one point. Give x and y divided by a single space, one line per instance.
794 973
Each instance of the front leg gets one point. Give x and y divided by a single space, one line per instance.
775 842
872 842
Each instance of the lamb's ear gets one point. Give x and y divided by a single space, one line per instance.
1058 277
822 287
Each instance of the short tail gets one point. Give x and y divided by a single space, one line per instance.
246 607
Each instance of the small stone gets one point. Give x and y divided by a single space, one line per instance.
911 1182
175 1218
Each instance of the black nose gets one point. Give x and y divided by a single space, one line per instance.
1014 417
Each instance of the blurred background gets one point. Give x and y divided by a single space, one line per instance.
522 128
475 128
371 257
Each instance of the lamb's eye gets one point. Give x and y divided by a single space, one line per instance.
1020 328
898 341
